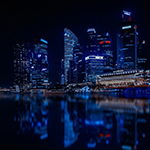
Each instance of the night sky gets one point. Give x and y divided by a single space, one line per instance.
24 21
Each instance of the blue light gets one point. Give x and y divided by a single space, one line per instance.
101 122
42 40
44 136
39 124
107 142
39 55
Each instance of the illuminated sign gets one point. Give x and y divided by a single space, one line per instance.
102 42
93 57
108 42
127 13
126 27
42 40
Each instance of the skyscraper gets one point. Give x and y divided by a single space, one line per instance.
70 40
79 69
104 44
99 56
141 56
127 43
21 65
39 68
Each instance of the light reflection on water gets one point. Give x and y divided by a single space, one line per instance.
80 121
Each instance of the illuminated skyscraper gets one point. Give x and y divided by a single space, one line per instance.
70 40
127 43
104 44
40 70
21 65
99 56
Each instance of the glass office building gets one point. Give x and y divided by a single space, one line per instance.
99 55
21 65
40 66
104 45
127 43
70 40
141 55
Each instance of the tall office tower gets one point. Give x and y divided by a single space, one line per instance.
40 69
78 72
104 44
70 40
93 59
141 56
21 65
127 43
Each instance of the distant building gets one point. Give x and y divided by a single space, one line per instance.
141 56
70 40
79 69
127 43
99 55
104 44
21 65
39 68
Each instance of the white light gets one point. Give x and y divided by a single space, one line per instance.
93 57
39 55
143 42
89 30
44 69
126 27
127 13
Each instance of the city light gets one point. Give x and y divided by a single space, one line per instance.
39 55
93 57
126 27
42 40
127 13
91 30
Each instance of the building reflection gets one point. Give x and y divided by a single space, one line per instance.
105 120
31 115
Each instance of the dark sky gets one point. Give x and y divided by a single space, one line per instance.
24 21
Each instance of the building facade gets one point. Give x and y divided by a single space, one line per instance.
40 66
79 69
104 45
99 55
127 43
70 40
21 66
141 56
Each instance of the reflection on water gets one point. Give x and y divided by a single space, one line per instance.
31 116
106 122
81 121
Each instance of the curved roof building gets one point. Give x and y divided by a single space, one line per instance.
70 40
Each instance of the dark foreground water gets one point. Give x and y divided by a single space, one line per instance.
81 121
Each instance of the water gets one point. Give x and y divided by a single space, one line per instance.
75 121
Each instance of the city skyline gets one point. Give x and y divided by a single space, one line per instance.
11 34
